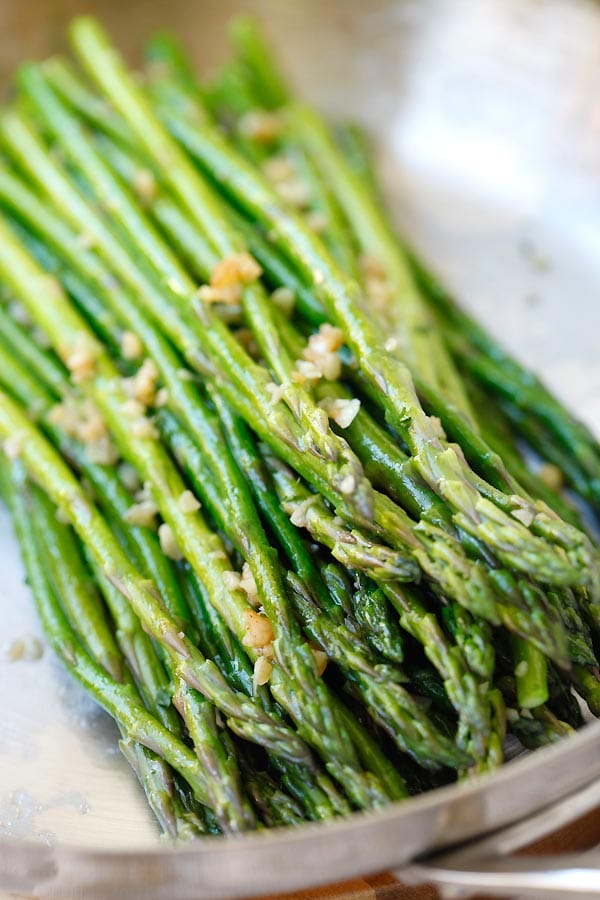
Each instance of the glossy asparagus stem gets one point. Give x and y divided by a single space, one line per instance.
47 467
193 536
378 684
119 700
310 786
389 379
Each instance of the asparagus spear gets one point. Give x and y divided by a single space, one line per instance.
201 203
409 318
352 548
47 467
477 733
498 433
119 700
72 583
375 449
310 787
389 379
378 686
350 186
469 583
499 371
49 368
110 397
74 586
530 674
254 54
374 615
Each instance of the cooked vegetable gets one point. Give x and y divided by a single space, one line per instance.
270 519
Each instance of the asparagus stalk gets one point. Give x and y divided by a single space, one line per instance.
46 467
503 374
74 586
530 674
445 471
352 548
378 686
471 578
468 697
254 54
497 431
148 456
421 345
119 700
204 206
49 368
310 787
374 616
66 569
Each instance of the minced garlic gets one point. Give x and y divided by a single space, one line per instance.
144 185
526 516
276 392
231 580
259 631
248 585
262 671
320 357
130 477
377 287
162 398
131 345
142 385
229 277
13 444
551 476
144 429
342 411
142 514
187 502
80 359
168 542
81 419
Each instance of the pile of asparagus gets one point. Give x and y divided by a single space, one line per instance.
300 526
